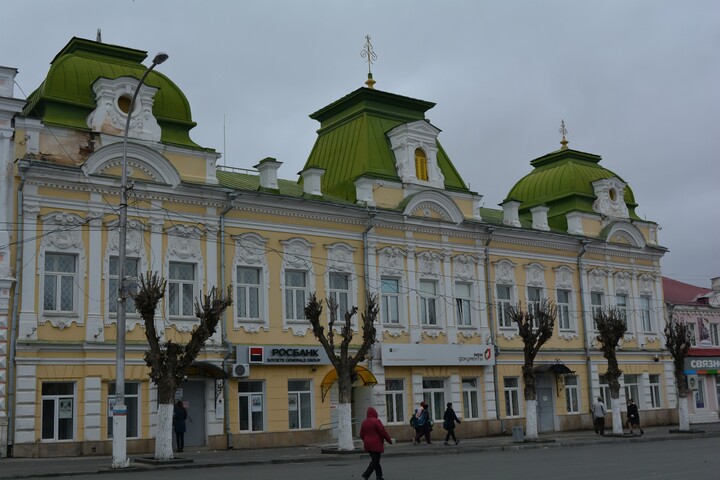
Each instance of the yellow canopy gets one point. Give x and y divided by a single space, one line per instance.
363 374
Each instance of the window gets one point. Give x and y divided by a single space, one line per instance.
717 388
470 398
132 402
295 294
655 391
621 303
390 289
596 305
131 284
691 334
248 293
533 300
714 334
645 313
395 400
427 292
59 283
340 292
181 289
299 404
700 394
421 169
251 406
58 410
512 396
605 392
503 305
563 309
434 390
572 401
631 389
462 304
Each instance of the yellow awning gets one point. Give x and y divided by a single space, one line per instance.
362 373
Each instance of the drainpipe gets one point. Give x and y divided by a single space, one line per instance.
23 167
491 324
223 325
583 248
366 261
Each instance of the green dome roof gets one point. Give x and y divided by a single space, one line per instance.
66 96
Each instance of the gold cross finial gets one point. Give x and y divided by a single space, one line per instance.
369 53
563 132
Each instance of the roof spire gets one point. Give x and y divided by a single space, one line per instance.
369 53
98 37
563 131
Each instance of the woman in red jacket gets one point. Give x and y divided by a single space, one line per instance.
374 436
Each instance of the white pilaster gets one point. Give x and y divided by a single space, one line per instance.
94 331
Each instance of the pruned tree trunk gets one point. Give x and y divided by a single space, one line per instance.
611 328
684 416
677 341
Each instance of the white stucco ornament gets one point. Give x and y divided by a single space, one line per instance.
610 193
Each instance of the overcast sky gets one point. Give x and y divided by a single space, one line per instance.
637 82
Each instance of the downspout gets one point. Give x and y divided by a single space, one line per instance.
583 248
366 261
23 167
223 325
491 324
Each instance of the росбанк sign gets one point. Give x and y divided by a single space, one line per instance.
282 355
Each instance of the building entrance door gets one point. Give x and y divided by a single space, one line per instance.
546 413
193 396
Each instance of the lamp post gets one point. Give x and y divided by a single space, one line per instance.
119 442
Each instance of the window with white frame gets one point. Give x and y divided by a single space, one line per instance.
714 334
299 404
296 294
132 402
462 304
654 381
131 284
340 292
395 400
470 398
596 305
512 396
434 394
717 388
251 406
533 299
621 302
248 293
58 411
181 289
691 333
427 291
390 290
59 280
645 313
632 390
563 310
572 396
605 391
699 394
504 299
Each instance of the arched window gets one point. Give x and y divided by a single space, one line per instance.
421 170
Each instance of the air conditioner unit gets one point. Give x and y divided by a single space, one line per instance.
241 370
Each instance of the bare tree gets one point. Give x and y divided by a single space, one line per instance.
611 327
677 341
535 328
340 356
169 362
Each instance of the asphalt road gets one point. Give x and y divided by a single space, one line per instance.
696 459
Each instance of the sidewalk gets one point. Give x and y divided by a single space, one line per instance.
18 468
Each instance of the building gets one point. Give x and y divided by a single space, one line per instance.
699 308
379 207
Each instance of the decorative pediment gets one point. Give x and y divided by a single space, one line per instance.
340 257
622 283
505 273
391 260
535 275
184 242
563 278
250 249
415 147
429 263
142 163
62 230
433 204
297 253
610 193
624 233
464 266
597 280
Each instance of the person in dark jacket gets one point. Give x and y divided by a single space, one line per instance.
179 417
374 436
422 426
449 420
633 416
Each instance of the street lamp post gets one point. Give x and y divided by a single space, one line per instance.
119 442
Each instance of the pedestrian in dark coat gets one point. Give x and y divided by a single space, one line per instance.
423 426
449 420
633 416
179 417
374 436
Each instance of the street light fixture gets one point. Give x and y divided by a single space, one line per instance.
119 442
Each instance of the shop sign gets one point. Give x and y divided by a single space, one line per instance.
282 355
702 365
428 355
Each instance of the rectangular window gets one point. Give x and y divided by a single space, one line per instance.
717 388
563 309
59 283
58 411
512 396
622 306
295 294
632 390
390 289
181 289
470 398
462 304
714 334
428 292
248 293
533 300
299 404
605 392
251 406
691 333
132 402
503 305
132 284
340 293
395 400
700 394
596 305
655 391
645 313
434 393
572 398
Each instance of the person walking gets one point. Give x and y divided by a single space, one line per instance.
599 412
449 419
180 415
422 425
633 416
374 436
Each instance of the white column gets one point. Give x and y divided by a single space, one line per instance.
27 328
94 331
156 261
93 410
412 296
447 292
